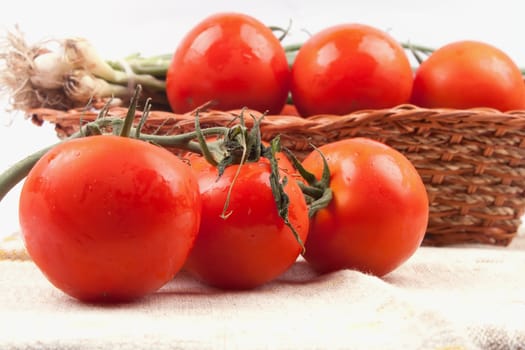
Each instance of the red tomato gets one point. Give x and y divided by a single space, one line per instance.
252 245
350 67
468 74
232 59
379 211
106 226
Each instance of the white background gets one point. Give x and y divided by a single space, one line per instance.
119 28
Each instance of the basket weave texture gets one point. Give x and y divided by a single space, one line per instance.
472 161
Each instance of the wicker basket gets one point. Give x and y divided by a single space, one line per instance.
471 161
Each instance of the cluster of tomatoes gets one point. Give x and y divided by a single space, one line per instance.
237 61
112 218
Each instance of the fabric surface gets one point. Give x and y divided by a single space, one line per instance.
465 297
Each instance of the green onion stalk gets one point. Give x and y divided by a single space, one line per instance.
69 73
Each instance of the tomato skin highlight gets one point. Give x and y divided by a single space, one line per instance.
379 212
231 59
469 74
109 218
252 246
349 67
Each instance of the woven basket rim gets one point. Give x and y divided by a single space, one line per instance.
408 108
289 123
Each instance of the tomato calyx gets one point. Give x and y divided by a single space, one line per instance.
283 31
240 144
417 51
317 192
243 145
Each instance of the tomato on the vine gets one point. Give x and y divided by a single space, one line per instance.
349 67
109 218
379 212
251 244
469 74
233 60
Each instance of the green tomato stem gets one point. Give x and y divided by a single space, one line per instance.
130 115
292 47
17 172
415 47
185 141
317 192
202 142
282 201
284 31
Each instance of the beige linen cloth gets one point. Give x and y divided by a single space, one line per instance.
468 297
